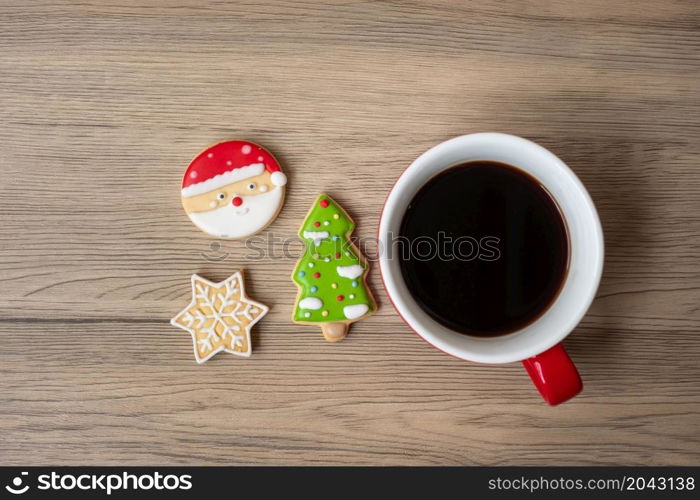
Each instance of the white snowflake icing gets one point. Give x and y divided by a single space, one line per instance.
219 317
213 307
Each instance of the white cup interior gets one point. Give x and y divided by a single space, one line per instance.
585 236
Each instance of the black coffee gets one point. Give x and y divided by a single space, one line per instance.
485 249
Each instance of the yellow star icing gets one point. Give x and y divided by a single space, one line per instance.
220 317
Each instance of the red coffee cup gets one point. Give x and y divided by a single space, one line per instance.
537 345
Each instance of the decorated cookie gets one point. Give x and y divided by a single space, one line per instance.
220 317
331 273
233 189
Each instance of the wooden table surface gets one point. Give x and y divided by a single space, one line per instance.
104 103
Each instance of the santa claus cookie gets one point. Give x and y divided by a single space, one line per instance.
233 189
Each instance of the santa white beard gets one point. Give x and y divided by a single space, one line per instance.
251 216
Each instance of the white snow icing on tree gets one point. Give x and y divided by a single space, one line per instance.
209 310
316 236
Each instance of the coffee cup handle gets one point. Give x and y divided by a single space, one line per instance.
554 375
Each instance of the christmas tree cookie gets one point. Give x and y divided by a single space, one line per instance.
331 273
220 317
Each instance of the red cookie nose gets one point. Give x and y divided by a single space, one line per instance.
237 201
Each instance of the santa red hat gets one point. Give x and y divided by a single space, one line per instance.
226 163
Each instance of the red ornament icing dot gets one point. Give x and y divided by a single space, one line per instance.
340 297
237 201
337 255
317 223
317 275
324 203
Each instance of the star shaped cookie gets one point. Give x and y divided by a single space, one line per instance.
220 317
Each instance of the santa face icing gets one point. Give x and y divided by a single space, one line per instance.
233 189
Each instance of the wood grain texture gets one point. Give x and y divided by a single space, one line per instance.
103 104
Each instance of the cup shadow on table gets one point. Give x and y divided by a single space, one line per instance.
599 339
603 156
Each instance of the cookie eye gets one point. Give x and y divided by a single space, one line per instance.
221 196
251 186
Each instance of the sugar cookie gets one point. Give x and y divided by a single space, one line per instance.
331 274
220 317
233 189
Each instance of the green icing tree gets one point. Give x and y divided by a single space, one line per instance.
331 272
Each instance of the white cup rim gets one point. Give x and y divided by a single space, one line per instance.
585 233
